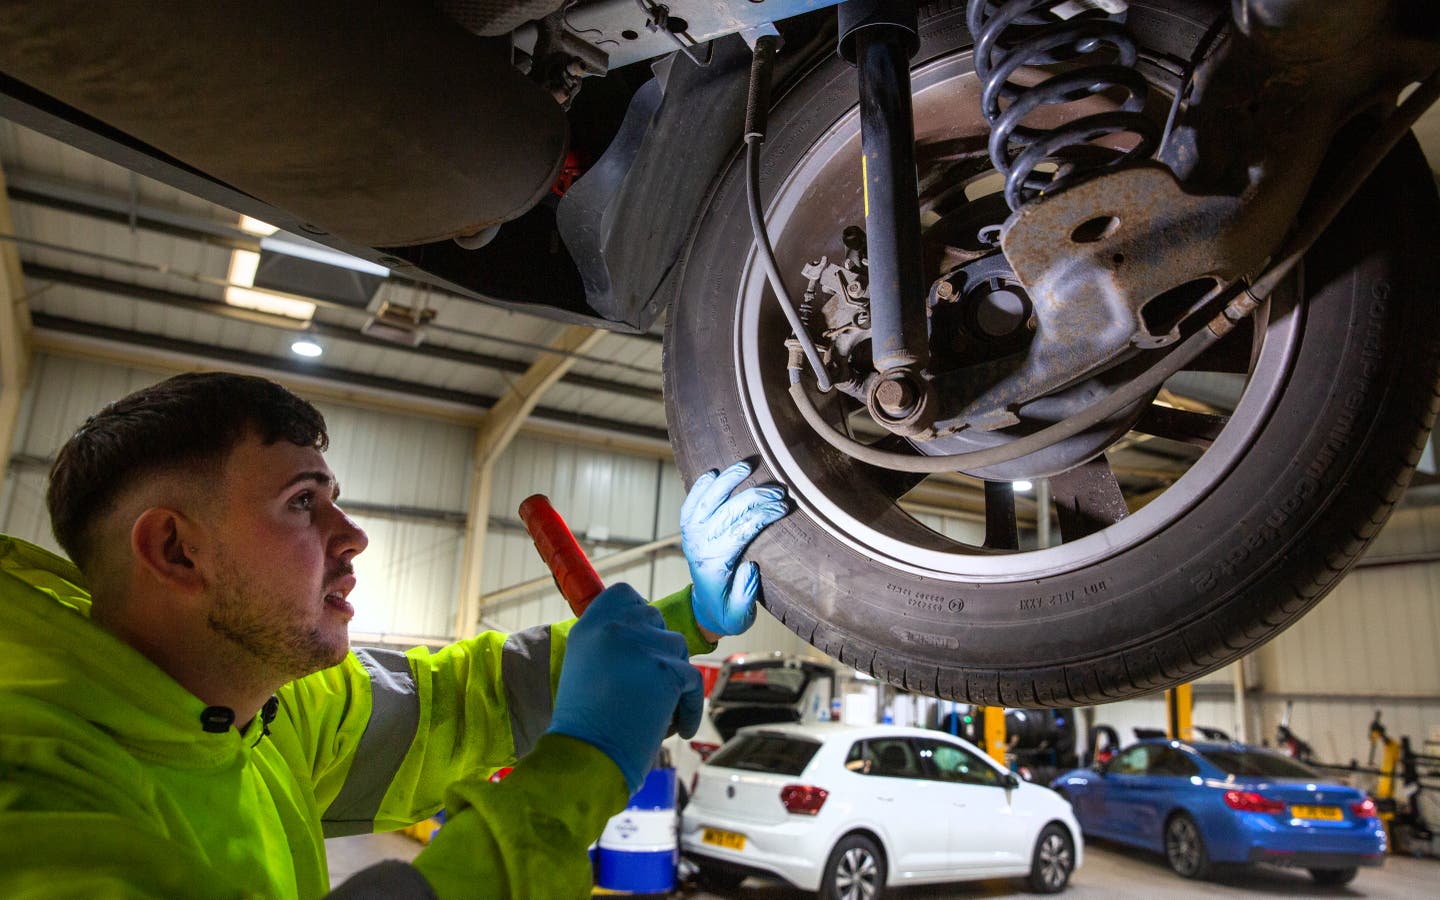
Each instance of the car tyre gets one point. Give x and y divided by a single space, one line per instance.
855 870
1185 848
1334 876
1053 860
1322 455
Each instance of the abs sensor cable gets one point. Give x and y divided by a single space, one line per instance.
1245 296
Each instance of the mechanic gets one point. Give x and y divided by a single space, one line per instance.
181 714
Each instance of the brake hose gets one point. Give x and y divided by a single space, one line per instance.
757 112
1244 301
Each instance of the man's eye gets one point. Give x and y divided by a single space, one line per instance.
303 501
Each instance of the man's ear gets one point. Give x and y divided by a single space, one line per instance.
163 541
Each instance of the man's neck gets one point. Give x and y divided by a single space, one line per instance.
207 665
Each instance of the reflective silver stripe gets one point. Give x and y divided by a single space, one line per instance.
525 671
394 718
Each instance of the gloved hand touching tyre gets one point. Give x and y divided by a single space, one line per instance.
715 528
624 680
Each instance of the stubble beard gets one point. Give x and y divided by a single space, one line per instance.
285 649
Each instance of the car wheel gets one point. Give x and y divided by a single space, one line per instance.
855 871
1185 848
1053 860
1334 876
1333 387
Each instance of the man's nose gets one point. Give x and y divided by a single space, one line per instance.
350 539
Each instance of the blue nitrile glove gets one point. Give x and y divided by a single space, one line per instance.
624 679
715 529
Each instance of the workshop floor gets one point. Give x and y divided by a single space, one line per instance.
1110 871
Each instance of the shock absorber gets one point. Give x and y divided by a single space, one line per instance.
1010 34
879 37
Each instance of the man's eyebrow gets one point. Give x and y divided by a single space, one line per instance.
315 475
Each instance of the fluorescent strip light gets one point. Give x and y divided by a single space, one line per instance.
255 226
323 255
243 266
266 302
241 292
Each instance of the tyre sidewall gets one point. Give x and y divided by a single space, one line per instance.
1037 878
828 890
1202 867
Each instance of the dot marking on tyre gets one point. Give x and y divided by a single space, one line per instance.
925 639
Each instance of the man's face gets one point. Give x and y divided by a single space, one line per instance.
283 548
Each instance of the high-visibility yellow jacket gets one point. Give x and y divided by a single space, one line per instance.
111 787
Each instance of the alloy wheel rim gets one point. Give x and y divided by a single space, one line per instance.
933 555
1184 846
856 875
1055 861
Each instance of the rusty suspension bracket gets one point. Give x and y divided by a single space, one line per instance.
1242 299
1115 263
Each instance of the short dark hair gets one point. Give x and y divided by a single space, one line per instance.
195 419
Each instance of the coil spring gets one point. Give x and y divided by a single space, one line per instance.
1010 34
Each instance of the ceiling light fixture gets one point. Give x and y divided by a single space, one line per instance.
241 291
321 254
255 226
306 348
1021 485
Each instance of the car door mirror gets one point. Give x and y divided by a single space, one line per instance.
1100 768
1010 780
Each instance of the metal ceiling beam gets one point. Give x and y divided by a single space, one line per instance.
491 438
14 333
211 306
394 387
86 201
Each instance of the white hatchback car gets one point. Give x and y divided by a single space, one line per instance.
849 810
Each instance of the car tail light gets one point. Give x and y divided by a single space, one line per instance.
803 799
1365 809
1247 801
704 749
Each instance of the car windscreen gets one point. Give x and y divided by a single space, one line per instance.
774 753
1264 765
763 684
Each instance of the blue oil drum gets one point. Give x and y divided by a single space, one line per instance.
639 849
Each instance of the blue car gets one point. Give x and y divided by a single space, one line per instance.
1205 804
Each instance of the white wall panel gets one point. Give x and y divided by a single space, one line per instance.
64 392
1338 727
967 530
22 507
399 460
1149 712
1375 634
406 580
1411 530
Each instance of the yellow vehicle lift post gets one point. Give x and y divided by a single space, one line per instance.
994 718
1179 713
1389 765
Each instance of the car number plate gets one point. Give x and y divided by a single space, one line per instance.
727 839
1325 813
